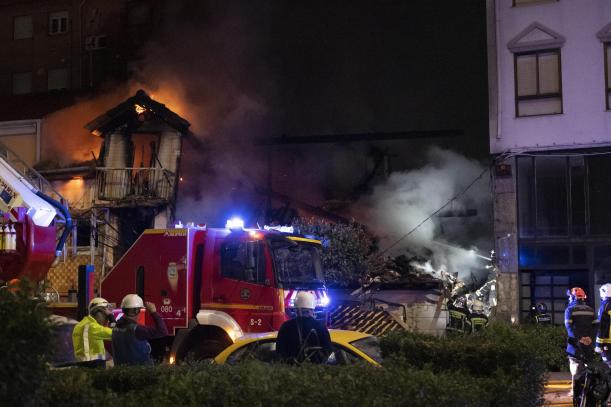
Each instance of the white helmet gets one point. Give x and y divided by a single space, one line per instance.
605 290
132 301
305 299
98 304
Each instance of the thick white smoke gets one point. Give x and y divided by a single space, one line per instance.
407 198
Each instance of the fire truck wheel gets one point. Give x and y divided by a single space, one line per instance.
204 350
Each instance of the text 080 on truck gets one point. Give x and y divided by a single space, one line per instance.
212 286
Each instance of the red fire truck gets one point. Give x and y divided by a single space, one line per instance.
213 285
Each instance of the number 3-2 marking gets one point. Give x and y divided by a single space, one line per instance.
256 322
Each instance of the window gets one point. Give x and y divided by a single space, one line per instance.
599 168
608 74
22 83
527 2
243 261
138 13
58 22
57 79
83 232
22 27
538 84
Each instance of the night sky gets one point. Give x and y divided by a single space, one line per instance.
329 67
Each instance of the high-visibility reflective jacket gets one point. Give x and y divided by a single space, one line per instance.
604 329
88 339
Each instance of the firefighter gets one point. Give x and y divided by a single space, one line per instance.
580 322
477 319
458 312
89 335
539 314
303 338
129 339
603 337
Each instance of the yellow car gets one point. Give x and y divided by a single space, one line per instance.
349 347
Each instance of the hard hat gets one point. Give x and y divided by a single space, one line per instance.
97 304
578 293
305 299
605 290
132 301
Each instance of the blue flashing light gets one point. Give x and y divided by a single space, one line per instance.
235 224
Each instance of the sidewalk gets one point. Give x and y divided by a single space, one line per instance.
557 390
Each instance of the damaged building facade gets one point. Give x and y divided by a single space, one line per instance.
550 136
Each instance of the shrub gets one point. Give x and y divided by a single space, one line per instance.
26 342
501 352
256 384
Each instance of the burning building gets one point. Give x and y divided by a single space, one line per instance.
130 184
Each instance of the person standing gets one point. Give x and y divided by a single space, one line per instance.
129 339
603 337
580 323
303 338
89 335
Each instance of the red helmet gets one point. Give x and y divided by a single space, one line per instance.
578 293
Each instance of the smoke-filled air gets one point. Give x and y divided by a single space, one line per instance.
451 242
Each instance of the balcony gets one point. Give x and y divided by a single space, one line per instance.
134 186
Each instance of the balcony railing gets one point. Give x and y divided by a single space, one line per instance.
130 184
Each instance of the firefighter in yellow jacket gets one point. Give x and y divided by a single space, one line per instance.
89 335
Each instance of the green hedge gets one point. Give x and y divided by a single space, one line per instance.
255 384
25 344
550 343
504 353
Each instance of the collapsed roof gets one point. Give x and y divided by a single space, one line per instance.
129 111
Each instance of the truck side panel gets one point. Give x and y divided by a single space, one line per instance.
157 268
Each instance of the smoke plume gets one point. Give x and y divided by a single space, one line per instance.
407 198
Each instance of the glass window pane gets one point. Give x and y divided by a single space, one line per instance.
525 278
564 280
549 74
22 83
22 27
526 304
526 196
536 107
599 194
602 264
525 291
527 256
57 78
526 66
543 279
579 255
560 291
551 195
553 255
543 292
558 318
578 195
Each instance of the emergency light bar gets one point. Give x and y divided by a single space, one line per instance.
281 229
234 224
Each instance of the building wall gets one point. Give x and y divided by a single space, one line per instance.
584 120
122 27
546 242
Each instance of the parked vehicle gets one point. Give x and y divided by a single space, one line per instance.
349 347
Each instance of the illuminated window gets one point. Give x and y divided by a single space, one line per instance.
538 84
22 27
58 22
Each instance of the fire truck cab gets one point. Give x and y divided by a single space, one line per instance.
211 286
